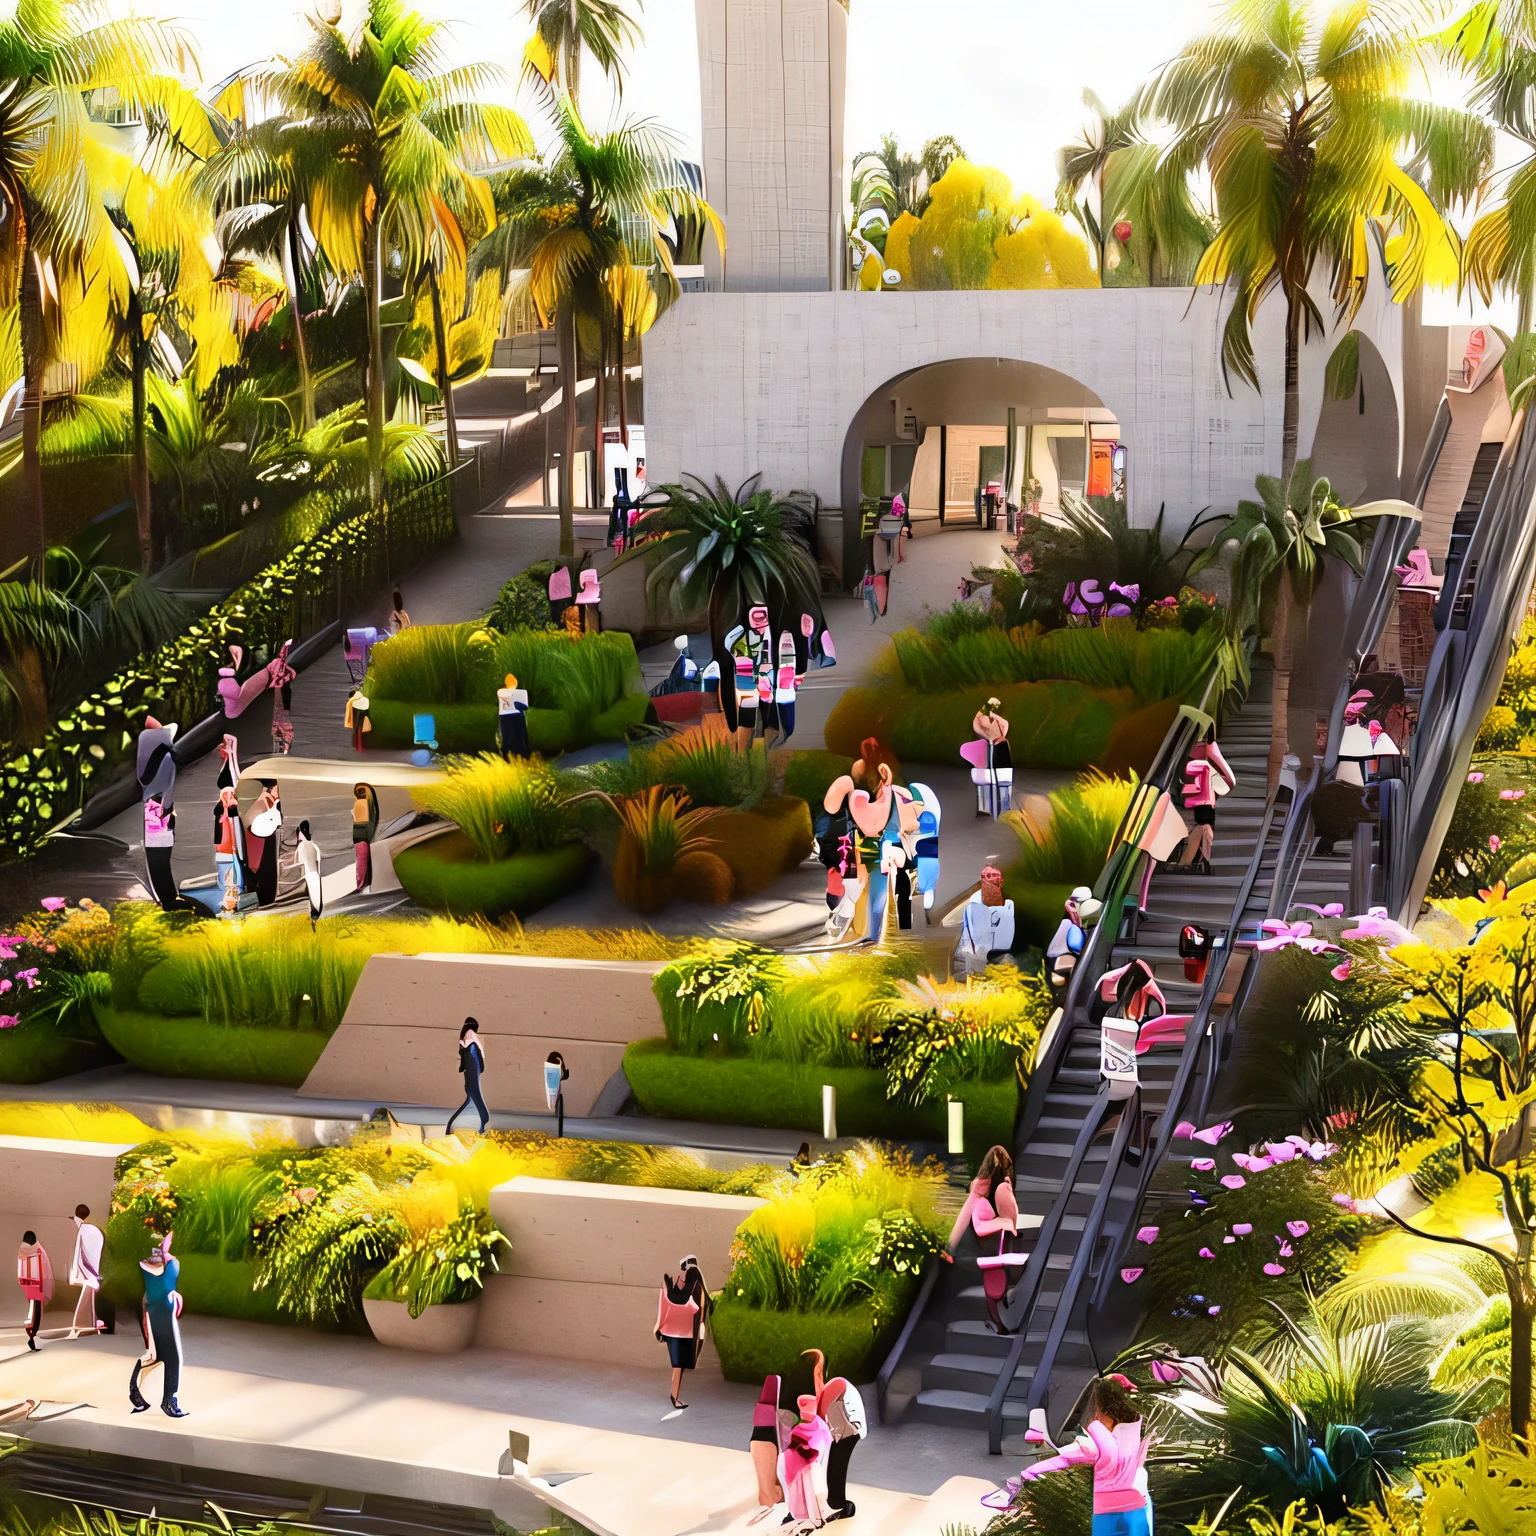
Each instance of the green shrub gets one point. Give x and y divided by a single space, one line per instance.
754 1343
1500 731
703 761
447 874
502 806
759 845
441 1266
471 727
808 776
426 662
522 603
748 1090
190 1047
713 1002
1072 845
43 784
35 1051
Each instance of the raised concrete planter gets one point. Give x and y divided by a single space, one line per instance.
41 1183
587 1262
398 1043
440 1330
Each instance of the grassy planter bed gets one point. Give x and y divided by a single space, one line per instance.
192 1047
472 727
35 1051
742 1090
210 1286
446 874
755 1342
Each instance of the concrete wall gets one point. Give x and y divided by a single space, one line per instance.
41 1183
587 1264
398 1043
771 89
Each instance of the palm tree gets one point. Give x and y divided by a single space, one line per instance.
562 28
38 630
1113 160
385 141
885 178
730 549
54 58
588 227
1315 153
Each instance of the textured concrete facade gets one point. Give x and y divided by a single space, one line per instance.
771 87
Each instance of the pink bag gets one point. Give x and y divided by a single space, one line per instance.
560 584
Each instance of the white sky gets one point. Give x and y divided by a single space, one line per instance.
1005 77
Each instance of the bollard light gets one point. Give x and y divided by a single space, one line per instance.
828 1112
956 1127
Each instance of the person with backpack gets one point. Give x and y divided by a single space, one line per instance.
471 1066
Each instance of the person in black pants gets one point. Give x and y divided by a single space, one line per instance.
471 1064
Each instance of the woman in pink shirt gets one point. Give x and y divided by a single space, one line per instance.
992 1213
1206 775
1111 1444
34 1274
681 1313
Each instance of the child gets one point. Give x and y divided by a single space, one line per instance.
1112 1445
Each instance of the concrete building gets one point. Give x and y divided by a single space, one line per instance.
771 98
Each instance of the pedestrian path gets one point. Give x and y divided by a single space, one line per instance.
605 1449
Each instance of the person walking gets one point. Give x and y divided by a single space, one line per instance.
512 718
162 1332
365 823
159 850
839 1403
765 1449
261 841
471 1064
399 619
85 1271
309 863
229 846
682 1312
992 1213
34 1274
357 720
282 719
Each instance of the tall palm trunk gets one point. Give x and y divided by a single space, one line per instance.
373 288
565 331
1522 1315
33 361
138 471
600 416
618 357
300 347
1291 421
24 672
444 383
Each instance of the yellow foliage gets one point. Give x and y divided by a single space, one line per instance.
976 234
73 1122
870 273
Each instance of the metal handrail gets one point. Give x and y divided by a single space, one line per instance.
1075 1276
1018 1311
908 1328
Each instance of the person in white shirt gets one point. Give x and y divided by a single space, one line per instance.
309 862
85 1271
987 928
512 718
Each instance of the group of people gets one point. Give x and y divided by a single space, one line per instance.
34 1274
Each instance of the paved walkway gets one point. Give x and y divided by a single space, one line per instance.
606 1447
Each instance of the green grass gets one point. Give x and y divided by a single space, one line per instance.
1052 725
702 760
35 1051
502 806
809 775
471 727
447 874
190 1047
755 1342
745 1090
1072 846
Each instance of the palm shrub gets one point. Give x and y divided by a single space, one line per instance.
665 851
503 806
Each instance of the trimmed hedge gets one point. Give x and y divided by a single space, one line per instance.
36 1051
44 784
1037 911
445 874
210 1286
759 845
1052 725
192 1047
743 1090
461 727
754 1342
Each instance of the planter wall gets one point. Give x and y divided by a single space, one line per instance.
587 1262
445 874
398 1043
440 1330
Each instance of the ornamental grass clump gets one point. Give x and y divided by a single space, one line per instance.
443 1265
425 664
503 806
1067 841
664 850
702 761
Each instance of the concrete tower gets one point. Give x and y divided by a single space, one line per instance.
772 76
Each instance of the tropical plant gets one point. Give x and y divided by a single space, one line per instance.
702 761
59 256
897 183
587 227
1163 240
1316 154
1067 840
563 28
717 1000
726 551
662 841
443 1265
502 806
38 630
1331 1414
389 148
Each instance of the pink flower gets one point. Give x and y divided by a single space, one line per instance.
1274 1269
1131 1276
1252 1164
1347 1201
1234 1180
1280 1151
1242 1228
1495 843
1213 1133
1286 1251
1474 778
1147 1235
9 1020
1297 1228
1205 1253
29 976
5 986
1202 1164
1167 1374
1212 1311
1340 972
306 1195
1184 1129
1229 1239
1511 794
53 903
